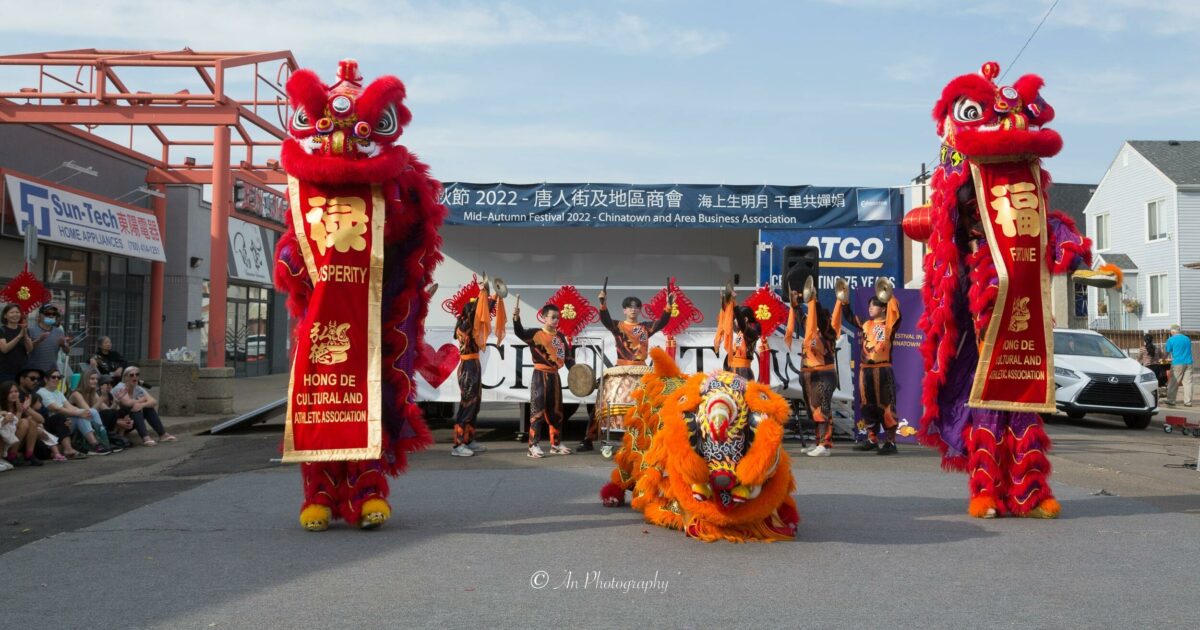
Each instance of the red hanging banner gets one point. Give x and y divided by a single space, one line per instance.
334 393
1016 360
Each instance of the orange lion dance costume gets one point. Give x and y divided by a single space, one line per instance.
993 243
356 260
704 453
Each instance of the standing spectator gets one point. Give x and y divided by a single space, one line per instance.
1179 351
1149 358
140 405
54 425
107 361
86 422
48 338
18 427
87 396
15 342
1149 355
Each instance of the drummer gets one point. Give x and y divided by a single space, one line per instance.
550 351
633 343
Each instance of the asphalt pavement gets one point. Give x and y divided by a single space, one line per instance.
203 534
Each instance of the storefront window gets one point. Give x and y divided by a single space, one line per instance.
99 297
247 320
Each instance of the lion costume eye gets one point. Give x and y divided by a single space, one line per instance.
387 122
300 119
967 110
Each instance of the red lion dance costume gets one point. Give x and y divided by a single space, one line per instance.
355 192
988 347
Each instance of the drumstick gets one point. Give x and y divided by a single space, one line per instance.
605 289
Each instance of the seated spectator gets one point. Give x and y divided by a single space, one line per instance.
107 361
15 342
54 431
105 391
18 427
141 406
86 422
87 396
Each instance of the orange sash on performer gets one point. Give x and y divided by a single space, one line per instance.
334 392
1016 362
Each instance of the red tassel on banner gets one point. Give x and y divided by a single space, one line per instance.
764 361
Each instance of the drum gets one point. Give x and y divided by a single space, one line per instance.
581 380
616 394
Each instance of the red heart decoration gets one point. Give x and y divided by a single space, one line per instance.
438 364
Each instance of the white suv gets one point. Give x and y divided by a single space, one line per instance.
1091 375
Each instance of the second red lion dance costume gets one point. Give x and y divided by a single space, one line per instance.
361 247
993 243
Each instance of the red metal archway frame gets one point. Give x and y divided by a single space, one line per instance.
97 96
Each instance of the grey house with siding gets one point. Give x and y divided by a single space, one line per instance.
1145 218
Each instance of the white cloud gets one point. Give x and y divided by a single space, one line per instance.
911 68
1165 17
317 26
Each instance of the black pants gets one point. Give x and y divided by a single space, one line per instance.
545 407
140 418
471 393
877 389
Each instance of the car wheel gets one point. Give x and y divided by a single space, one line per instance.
1076 414
1137 421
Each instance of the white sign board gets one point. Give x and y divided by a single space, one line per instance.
69 218
507 369
248 254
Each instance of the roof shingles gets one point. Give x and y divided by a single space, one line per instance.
1179 160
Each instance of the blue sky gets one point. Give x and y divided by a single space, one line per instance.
833 92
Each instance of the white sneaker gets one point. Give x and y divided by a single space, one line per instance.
819 451
462 451
560 450
476 447
808 448
4 465
535 452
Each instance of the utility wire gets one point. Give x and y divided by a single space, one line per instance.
1031 36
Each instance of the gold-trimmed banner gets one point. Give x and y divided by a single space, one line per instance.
1016 355
335 388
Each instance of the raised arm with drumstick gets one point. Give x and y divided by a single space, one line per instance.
633 341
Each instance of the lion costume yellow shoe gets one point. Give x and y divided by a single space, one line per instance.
703 453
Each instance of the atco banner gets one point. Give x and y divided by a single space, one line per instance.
60 216
683 205
860 255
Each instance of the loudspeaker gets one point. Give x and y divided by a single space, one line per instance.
800 262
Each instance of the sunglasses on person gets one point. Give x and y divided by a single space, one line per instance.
131 375
54 377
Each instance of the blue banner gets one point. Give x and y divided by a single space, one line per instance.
858 254
668 206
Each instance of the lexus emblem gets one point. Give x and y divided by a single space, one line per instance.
1114 380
